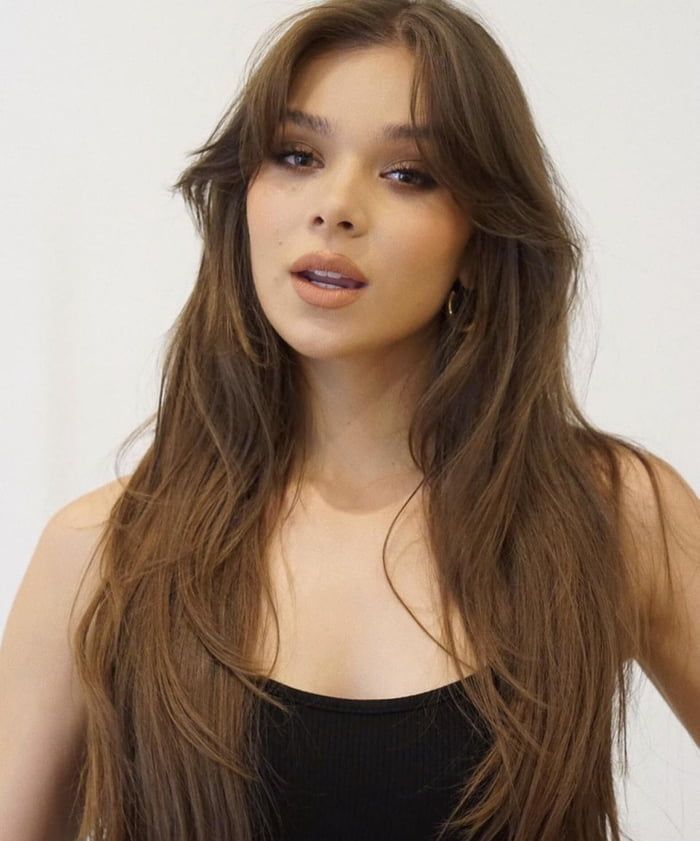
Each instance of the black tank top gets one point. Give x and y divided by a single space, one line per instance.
346 769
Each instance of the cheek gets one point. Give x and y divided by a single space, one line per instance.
428 251
257 206
265 231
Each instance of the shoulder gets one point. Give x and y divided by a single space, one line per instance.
660 514
70 541
661 542
75 528
89 510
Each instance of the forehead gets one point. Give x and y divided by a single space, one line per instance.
387 132
364 90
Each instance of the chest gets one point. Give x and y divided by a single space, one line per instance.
342 629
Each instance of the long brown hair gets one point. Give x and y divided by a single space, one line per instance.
523 493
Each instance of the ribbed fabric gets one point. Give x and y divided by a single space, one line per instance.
342 769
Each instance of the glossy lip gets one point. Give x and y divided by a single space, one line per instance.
326 298
328 262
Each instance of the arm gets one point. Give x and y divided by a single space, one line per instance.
42 714
671 605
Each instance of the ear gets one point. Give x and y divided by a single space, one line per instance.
466 280
465 276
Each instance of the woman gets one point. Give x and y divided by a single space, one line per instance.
376 577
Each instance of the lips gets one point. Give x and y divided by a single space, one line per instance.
329 262
345 282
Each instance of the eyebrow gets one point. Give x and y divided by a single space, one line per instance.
391 132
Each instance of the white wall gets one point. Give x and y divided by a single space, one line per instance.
100 104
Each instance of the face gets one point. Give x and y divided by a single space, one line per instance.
345 193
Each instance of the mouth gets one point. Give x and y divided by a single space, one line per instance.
329 268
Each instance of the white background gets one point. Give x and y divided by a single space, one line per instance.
100 104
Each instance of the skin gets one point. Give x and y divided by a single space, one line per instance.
365 362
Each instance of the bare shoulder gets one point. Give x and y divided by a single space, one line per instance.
72 534
651 525
661 540
91 509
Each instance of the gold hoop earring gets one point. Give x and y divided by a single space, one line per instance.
452 308
450 303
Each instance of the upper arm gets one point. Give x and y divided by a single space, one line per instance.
42 713
671 593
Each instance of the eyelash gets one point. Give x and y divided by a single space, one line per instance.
425 181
